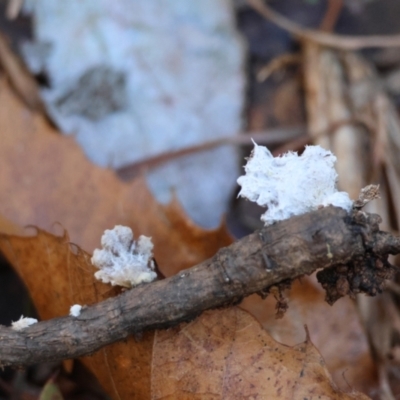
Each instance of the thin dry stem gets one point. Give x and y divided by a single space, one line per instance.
343 42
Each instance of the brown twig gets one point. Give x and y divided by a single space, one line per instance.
295 137
270 137
331 16
278 63
343 42
294 145
298 143
327 239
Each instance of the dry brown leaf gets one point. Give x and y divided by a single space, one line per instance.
9 227
59 275
335 330
226 354
179 229
45 180
21 79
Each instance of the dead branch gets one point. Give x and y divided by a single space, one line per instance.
278 63
342 42
350 249
331 15
294 138
267 138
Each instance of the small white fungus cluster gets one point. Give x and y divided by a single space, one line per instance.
75 310
291 184
23 323
123 261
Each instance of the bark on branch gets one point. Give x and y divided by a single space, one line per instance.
350 250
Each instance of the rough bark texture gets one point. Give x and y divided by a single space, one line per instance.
273 256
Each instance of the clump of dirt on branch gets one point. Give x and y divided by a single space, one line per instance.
363 274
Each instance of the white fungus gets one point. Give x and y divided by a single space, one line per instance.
123 261
291 184
75 310
23 323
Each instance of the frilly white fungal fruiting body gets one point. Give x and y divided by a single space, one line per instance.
75 310
291 184
123 261
23 323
